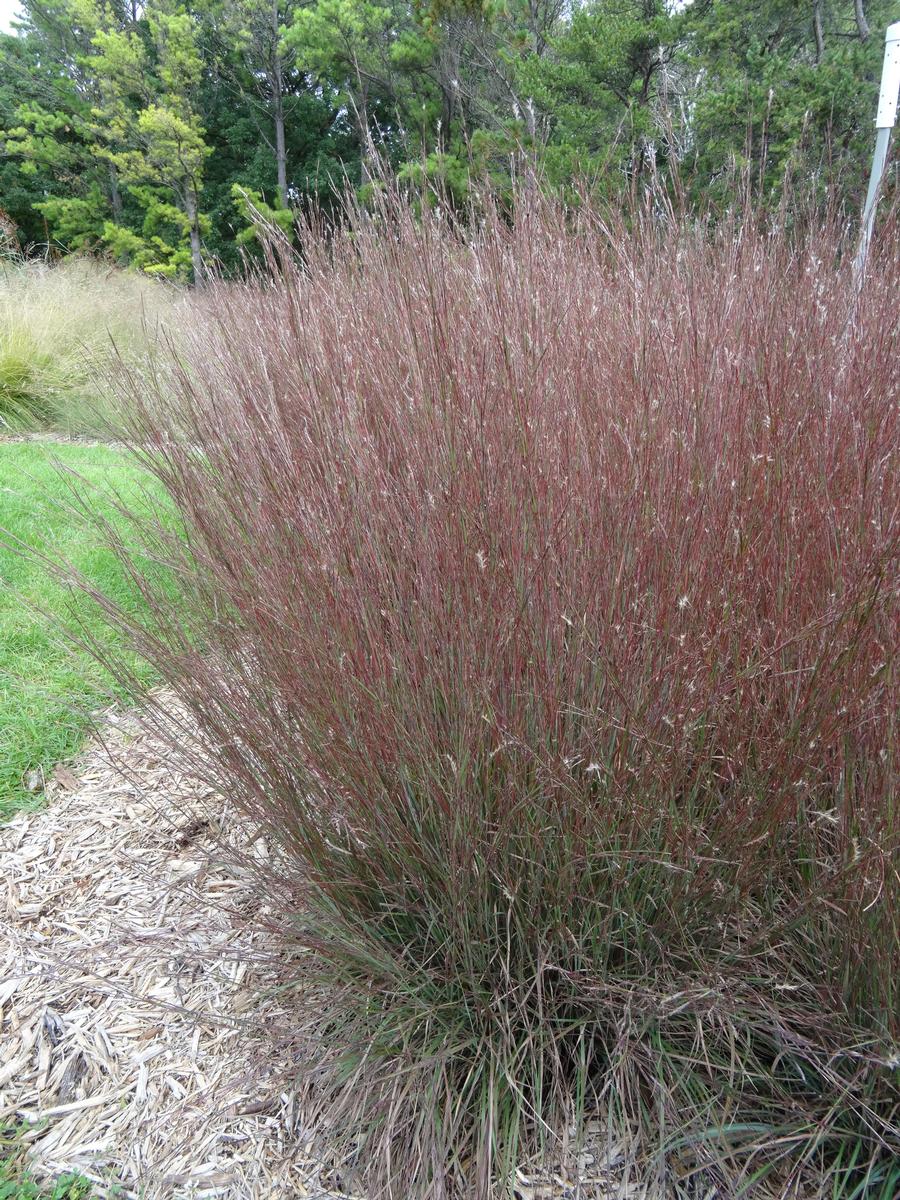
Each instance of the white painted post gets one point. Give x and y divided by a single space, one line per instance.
884 123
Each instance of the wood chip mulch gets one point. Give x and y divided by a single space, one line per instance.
132 1002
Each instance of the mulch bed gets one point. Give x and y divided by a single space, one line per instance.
133 1000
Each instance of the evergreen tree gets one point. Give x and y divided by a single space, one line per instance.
155 129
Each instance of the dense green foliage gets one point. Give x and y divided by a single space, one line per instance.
47 687
154 130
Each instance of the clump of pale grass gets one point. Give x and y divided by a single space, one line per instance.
60 325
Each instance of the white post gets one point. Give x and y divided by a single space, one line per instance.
884 123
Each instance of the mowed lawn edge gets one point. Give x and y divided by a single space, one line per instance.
49 686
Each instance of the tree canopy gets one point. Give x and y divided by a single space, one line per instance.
156 131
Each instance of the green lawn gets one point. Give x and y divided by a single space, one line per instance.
47 687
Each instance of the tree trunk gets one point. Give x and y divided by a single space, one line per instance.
115 196
277 85
190 208
818 30
366 165
862 24
361 112
280 151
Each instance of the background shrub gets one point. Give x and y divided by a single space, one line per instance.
540 598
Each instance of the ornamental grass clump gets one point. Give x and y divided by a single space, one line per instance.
59 325
540 598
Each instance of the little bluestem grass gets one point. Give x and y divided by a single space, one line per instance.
540 599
